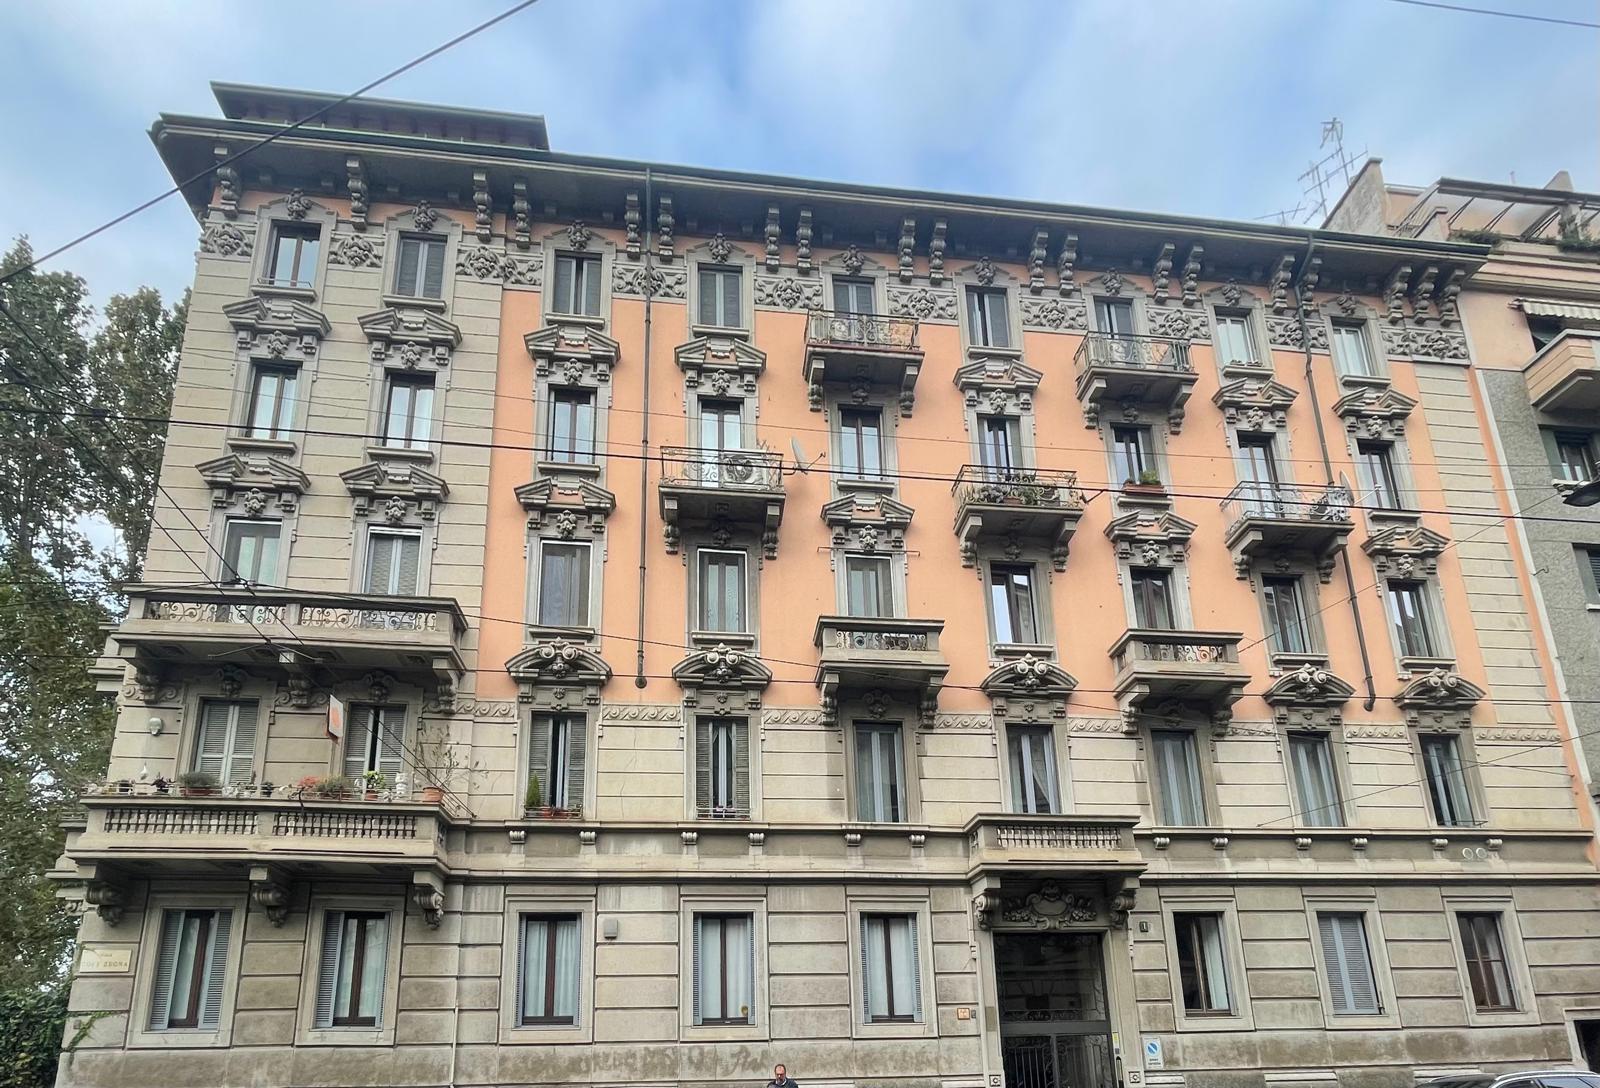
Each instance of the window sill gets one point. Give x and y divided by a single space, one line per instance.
1206 1022
846 484
284 290
544 1034
415 302
756 1032
593 321
262 445
1364 381
1246 368
739 640
892 1029
984 351
400 453
1011 651
589 470
1289 662
1394 517
539 633
346 1037
1410 666
720 330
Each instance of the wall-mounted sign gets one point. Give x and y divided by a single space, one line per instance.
1153 1056
104 961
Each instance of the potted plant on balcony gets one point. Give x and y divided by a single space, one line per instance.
335 787
197 784
1148 483
439 764
373 782
531 800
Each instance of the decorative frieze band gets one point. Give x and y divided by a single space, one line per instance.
1054 314
1180 324
356 250
923 303
227 240
661 283
787 293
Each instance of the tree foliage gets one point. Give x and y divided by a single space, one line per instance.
31 1026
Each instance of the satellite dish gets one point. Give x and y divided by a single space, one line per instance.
800 463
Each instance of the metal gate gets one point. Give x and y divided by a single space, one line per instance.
1055 1030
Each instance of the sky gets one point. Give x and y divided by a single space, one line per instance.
1198 107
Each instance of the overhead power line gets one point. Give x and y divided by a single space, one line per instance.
1502 14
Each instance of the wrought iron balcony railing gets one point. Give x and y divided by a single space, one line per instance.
841 329
1287 502
739 470
1162 353
1050 487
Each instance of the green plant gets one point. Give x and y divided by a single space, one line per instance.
197 780
533 798
1150 476
1575 241
335 785
374 780
1479 237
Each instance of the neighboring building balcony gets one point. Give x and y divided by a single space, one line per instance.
1014 506
862 348
415 638
879 652
1198 670
1152 371
728 490
1276 518
1564 375
1034 843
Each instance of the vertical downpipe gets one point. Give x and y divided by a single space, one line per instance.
639 680
1327 470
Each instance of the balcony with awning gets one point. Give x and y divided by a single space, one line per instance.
1564 375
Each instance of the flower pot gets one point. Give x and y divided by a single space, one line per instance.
197 791
432 795
371 795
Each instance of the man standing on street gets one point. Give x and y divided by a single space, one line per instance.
780 1078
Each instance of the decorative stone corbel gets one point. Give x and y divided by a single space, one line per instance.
774 237
1309 275
1449 296
227 183
1161 272
908 243
802 242
664 225
356 184
1064 265
1282 276
482 205
1422 293
936 246
1394 294
1191 275
632 220
521 215
1036 259
110 901
427 895
271 891
1122 902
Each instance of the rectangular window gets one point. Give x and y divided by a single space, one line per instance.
1031 750
987 321
547 970
250 552
1575 459
393 562
577 289
272 395
226 748
1351 985
1589 571
721 424
1446 777
1202 963
861 442
1132 455
1259 464
891 972
1375 464
1180 800
191 962
1001 443
722 591
1485 954
293 261
1351 352
571 426
1316 784
724 969
420 270
853 296
719 297
880 774
1113 316
1152 599
557 752
563 584
374 740
408 411
1288 626
350 975
868 591
1011 603
722 769
1408 613
1233 341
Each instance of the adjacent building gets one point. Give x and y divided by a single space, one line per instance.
634 624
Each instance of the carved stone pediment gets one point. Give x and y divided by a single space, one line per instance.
1310 695
868 522
557 673
395 486
1439 697
721 676
412 337
1029 689
276 326
1255 403
723 364
560 505
260 478
1150 540
1374 413
998 385
1405 550
573 353
1047 907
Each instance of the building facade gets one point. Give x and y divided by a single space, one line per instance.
625 624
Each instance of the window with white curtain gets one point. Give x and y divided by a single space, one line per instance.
987 321
1351 352
191 965
557 754
1346 958
722 768
891 973
351 972
722 591
724 969
1232 341
393 562
880 773
408 411
548 963
1031 752
226 746
1180 800
563 584
1202 963
1316 782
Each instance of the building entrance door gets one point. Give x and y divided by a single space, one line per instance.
1055 1028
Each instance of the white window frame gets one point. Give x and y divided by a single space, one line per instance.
583 262
140 1036
1472 787
912 902
1433 616
1377 952
702 556
760 1027
536 584
1360 331
427 241
1203 772
226 570
257 746
1015 771
1333 744
905 767
374 531
423 422
551 900
308 1033
1242 1016
1527 1010
885 562
982 339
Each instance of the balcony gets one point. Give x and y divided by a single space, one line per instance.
1152 371
1564 375
414 638
1178 671
862 349
1033 843
1275 519
1014 506
726 490
881 653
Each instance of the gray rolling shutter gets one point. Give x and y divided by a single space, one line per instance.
591 287
708 297
166 964
741 768
380 561
211 753
577 752
702 766
391 751
521 1009
216 969
328 966
410 563
539 755
357 740
406 273
1344 951
240 765
433 278
866 972
695 960
916 968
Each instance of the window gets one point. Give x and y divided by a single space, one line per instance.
557 752
1011 603
393 560
880 774
250 552
547 970
350 975
1288 626
721 424
1113 316
1316 784
722 768
293 261
1259 463
1589 571
1232 340
1001 438
577 289
272 392
719 297
1351 353
867 586
1152 599
1202 963
1574 460
191 963
1031 750
375 741
571 426
563 584
1132 455
722 591
1542 330
891 974
987 322
724 969
408 411
1485 953
1446 777
1180 801
1345 957
861 442
226 748
1408 613
851 296
420 271
1375 464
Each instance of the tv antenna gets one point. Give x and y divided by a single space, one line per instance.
1320 174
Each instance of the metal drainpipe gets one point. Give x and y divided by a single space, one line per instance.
1327 470
639 680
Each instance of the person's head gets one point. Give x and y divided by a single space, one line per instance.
779 1072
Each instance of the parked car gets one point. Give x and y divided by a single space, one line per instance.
1528 1078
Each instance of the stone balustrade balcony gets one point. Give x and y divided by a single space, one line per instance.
1196 670
1033 843
880 652
862 348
